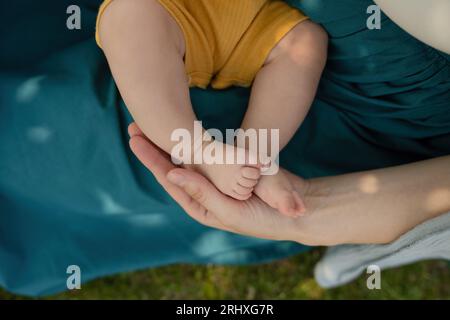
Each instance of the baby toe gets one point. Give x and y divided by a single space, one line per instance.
241 197
243 191
286 204
247 183
250 173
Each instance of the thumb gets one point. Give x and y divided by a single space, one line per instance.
203 192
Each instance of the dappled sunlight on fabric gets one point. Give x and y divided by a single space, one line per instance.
149 220
39 134
311 5
109 204
208 241
29 88
363 50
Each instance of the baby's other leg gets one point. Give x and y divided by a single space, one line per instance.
282 94
145 50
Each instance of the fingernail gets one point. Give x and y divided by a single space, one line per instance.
176 178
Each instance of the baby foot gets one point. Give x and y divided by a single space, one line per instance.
235 180
278 192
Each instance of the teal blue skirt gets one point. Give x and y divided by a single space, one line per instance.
72 193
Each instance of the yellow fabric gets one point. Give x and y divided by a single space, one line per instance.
227 41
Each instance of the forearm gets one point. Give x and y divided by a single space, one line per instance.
376 206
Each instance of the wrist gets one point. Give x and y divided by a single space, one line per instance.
325 222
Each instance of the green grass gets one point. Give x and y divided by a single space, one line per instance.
285 279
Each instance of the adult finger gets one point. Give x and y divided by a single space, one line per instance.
134 130
225 209
158 163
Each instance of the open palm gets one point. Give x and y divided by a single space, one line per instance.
204 203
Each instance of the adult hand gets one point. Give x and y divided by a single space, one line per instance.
204 203
375 206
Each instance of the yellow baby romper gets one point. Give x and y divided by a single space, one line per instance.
227 41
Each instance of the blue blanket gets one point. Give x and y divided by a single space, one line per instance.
71 192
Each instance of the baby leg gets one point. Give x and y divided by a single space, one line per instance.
145 49
282 94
